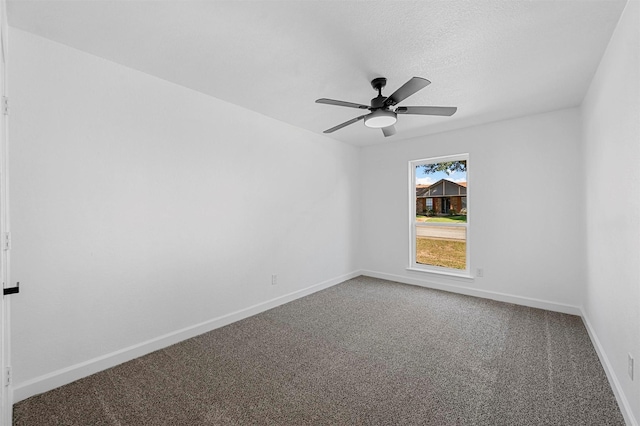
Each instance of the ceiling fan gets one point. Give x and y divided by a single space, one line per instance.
384 112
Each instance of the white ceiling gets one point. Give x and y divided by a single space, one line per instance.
493 59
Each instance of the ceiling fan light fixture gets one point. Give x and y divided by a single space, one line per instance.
380 118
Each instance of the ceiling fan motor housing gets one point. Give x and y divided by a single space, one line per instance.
378 102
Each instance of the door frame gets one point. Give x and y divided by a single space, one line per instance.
6 390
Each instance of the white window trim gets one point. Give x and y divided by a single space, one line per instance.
413 265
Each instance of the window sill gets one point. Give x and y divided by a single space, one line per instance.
446 273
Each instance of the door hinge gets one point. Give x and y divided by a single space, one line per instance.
7 376
5 105
6 241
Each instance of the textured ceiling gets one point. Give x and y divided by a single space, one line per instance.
492 59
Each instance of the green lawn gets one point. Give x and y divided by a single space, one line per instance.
445 253
450 219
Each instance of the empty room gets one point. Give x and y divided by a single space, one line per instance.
320 212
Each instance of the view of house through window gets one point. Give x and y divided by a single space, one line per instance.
439 213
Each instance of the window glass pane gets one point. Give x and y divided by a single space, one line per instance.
442 246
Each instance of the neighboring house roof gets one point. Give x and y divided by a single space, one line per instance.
442 188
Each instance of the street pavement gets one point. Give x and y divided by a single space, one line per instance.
442 232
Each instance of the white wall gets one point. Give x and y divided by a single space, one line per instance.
611 123
525 209
139 208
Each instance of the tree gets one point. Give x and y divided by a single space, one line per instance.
447 167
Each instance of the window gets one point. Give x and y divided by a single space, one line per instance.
439 214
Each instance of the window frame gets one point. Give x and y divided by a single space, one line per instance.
413 264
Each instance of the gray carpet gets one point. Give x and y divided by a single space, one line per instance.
365 352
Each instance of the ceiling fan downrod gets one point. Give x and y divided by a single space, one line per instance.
378 84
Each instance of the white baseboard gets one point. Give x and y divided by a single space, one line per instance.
623 402
485 294
70 374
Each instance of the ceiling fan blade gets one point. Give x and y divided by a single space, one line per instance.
427 110
407 89
389 130
345 124
341 103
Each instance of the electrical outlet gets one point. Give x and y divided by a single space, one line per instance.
274 279
479 272
630 365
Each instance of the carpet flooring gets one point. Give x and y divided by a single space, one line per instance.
364 352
